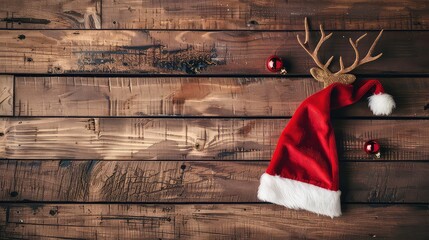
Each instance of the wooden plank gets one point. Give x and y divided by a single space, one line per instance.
124 96
190 52
194 181
266 15
50 14
213 221
195 139
6 95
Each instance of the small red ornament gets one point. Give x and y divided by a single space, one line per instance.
372 147
274 64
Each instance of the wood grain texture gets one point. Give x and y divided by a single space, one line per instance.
122 96
213 221
194 181
195 139
50 14
6 95
266 15
191 52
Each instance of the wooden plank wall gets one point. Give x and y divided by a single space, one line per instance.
155 119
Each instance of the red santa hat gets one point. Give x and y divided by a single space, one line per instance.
303 172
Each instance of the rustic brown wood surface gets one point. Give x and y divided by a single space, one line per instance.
266 15
106 132
208 221
6 95
214 15
195 139
194 181
124 96
191 52
50 14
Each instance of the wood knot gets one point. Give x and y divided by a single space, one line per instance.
199 145
21 37
53 212
14 194
252 23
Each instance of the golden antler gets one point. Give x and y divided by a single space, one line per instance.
368 58
322 73
323 38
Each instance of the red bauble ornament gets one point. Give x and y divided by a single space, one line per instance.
274 64
372 147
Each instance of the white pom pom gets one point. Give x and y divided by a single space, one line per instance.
381 104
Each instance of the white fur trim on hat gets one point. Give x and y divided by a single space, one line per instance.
299 195
381 104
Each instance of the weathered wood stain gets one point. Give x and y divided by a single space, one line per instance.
202 96
194 139
189 52
194 181
50 14
208 221
6 95
266 15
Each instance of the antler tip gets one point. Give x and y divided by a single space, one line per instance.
378 56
